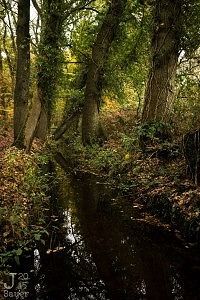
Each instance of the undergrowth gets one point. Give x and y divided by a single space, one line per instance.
149 176
23 201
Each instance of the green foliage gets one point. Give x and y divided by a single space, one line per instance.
127 66
104 159
50 56
22 213
126 70
130 142
85 29
80 40
190 40
155 131
126 187
187 104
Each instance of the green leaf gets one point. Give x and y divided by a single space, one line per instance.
17 260
18 252
37 236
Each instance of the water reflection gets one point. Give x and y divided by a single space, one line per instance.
97 252
128 264
108 258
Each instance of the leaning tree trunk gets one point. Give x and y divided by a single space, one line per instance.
48 70
165 52
49 62
21 92
102 44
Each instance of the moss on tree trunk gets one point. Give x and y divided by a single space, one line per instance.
91 128
165 47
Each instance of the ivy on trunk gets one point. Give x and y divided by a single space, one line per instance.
91 128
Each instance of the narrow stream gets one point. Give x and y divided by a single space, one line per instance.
98 250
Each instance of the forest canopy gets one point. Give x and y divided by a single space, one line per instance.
63 61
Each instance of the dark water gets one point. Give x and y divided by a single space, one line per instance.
99 249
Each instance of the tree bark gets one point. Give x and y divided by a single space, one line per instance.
32 122
21 92
2 87
72 118
11 61
165 46
93 90
49 62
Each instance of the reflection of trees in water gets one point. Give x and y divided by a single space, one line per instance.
102 259
129 266
70 273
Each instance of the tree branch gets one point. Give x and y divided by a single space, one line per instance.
36 6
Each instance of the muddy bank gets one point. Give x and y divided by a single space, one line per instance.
186 225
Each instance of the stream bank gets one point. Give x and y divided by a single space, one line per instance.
95 238
156 180
99 247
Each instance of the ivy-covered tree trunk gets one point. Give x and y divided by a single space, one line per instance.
49 62
21 92
90 120
48 70
165 52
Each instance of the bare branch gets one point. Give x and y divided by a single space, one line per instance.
36 6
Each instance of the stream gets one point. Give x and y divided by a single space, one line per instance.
99 249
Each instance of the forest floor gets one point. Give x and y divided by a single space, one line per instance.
23 200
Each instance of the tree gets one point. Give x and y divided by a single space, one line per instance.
21 92
2 97
165 50
49 62
56 18
93 90
9 24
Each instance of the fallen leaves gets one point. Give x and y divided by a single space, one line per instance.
21 195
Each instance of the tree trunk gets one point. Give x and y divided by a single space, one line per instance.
49 62
165 52
71 119
32 122
2 88
48 67
21 92
93 91
10 61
